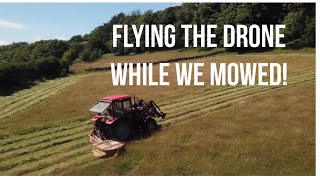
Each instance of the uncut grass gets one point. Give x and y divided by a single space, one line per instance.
71 164
199 91
294 67
52 168
201 102
275 136
72 105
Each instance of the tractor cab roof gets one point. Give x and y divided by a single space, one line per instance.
116 98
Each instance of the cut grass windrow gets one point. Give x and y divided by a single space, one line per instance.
5 100
27 98
193 98
41 133
186 118
68 149
28 102
227 98
38 147
40 139
44 135
188 114
32 91
81 158
199 102
224 88
49 162
42 154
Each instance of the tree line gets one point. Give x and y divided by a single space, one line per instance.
22 63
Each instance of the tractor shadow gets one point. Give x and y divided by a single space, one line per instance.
144 135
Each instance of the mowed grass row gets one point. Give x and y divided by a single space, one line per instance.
220 105
52 162
11 107
27 98
202 98
7 100
35 167
25 161
39 139
40 133
168 108
223 89
55 169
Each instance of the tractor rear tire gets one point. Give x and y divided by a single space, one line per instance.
122 130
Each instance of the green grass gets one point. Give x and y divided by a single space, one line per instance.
21 153
275 136
261 131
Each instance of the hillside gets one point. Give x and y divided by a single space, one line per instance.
246 130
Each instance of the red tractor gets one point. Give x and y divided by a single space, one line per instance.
119 118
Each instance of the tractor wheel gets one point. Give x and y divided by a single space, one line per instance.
151 125
121 130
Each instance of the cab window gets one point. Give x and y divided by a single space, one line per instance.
127 104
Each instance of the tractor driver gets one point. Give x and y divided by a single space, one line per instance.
116 109
109 111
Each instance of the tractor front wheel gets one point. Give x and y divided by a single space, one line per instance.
151 125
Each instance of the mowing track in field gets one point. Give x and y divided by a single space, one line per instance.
52 150
29 97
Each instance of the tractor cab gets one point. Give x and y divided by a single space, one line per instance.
112 107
